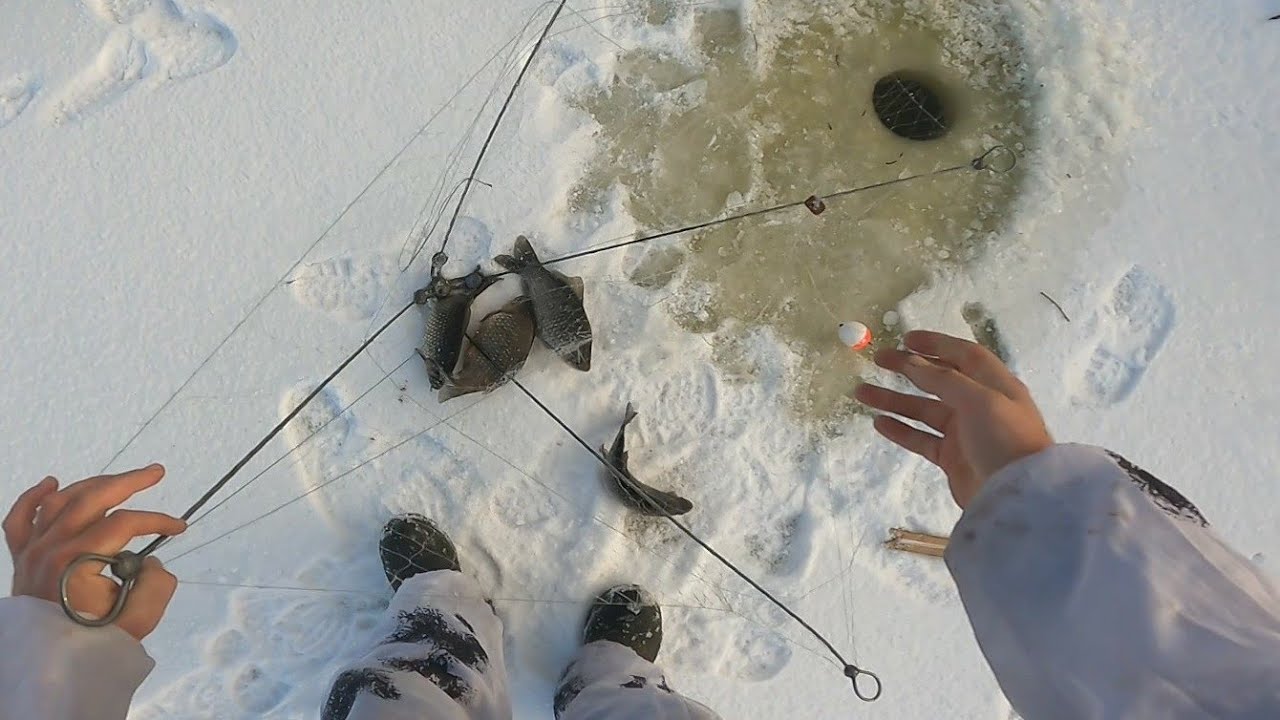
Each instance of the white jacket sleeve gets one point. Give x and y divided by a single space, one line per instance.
1097 591
53 669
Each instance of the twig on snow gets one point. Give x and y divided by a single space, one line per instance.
1045 295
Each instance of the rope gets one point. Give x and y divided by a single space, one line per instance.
853 672
235 469
989 160
437 262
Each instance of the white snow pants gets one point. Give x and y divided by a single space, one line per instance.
441 659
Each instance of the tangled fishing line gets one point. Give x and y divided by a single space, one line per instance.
997 159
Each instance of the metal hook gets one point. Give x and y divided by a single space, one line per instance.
853 673
991 160
126 566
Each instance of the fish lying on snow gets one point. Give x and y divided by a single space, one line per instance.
498 350
557 305
450 300
635 494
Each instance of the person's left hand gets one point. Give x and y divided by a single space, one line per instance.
48 528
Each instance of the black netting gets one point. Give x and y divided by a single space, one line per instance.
909 107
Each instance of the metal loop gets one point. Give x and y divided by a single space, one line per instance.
853 673
126 567
998 159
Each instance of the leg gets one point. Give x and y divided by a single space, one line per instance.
613 677
441 654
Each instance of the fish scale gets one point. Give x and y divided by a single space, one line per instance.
558 306
450 313
499 349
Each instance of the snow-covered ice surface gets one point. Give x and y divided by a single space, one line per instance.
168 162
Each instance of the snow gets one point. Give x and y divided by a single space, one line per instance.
167 165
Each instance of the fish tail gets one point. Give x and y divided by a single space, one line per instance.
509 263
524 252
629 415
449 392
581 358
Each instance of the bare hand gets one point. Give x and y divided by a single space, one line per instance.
46 529
984 416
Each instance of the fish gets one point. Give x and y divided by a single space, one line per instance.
557 304
450 300
634 494
498 350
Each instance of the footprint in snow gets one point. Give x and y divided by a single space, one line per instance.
1129 329
15 95
350 287
256 691
147 38
336 445
120 64
278 649
743 649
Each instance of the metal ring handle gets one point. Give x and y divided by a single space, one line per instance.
998 159
124 566
853 673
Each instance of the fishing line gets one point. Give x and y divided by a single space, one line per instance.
221 483
308 493
851 671
523 600
327 483
529 476
981 162
285 276
437 262
989 160
383 595
299 446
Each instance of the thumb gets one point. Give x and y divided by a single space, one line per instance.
148 600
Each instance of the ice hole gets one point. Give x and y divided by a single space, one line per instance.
776 106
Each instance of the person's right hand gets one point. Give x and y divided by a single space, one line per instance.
47 529
984 416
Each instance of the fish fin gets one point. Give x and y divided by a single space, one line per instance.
449 392
581 358
650 501
524 252
575 284
509 263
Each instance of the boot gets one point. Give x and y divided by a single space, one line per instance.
629 616
412 544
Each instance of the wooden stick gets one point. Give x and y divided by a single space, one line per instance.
917 543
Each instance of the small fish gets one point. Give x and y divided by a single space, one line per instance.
504 337
557 305
450 301
633 493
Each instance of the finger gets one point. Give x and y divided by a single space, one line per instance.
19 523
919 442
89 500
951 386
926 410
969 358
92 594
148 600
111 534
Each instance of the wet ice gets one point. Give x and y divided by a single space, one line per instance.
767 115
